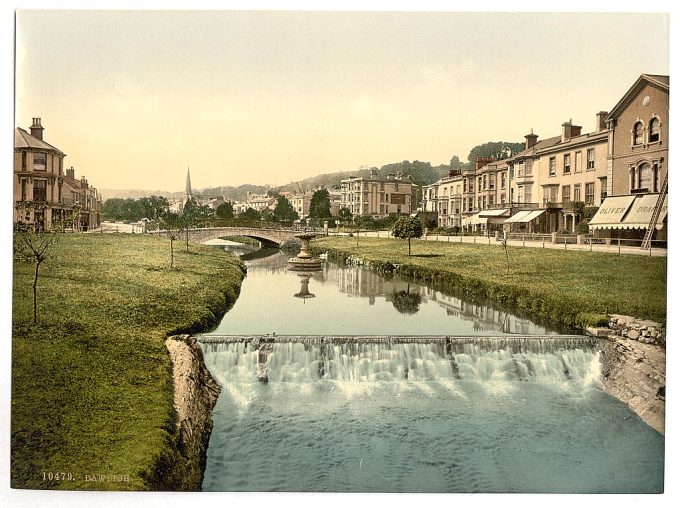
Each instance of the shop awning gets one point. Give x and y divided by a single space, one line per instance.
473 220
611 212
525 216
495 213
640 213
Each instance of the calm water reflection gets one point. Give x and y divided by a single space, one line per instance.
354 301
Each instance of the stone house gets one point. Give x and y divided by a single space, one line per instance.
43 191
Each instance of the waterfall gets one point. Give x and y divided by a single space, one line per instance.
508 359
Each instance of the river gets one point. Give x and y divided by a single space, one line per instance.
498 413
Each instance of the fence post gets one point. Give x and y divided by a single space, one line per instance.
522 240
591 244
565 243
619 242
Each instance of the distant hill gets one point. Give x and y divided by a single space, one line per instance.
136 193
421 173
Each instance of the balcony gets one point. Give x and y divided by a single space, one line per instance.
524 178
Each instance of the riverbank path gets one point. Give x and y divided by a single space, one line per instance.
536 244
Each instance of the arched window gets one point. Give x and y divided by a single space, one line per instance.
637 133
654 130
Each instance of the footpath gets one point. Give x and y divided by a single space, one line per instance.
613 248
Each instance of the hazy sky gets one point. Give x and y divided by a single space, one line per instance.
133 98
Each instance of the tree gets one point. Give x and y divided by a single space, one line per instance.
408 228
250 214
405 302
172 223
267 215
225 211
504 243
345 215
497 149
32 245
284 211
456 163
320 206
152 207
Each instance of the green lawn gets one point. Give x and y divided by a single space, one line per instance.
91 382
562 287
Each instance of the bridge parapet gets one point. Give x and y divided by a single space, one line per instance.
280 237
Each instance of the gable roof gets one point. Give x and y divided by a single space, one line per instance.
658 80
23 139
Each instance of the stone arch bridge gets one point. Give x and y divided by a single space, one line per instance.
269 237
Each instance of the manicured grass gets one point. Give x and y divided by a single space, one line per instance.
562 287
91 382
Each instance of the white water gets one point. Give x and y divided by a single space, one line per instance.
487 415
531 360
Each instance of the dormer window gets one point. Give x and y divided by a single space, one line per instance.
637 133
654 130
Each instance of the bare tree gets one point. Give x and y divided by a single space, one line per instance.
504 242
172 223
32 245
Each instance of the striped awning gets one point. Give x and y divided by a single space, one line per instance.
611 212
495 213
525 216
629 212
641 211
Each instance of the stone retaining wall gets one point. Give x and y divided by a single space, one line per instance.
633 356
195 395
647 332
635 373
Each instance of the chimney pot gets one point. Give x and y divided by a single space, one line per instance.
37 128
531 140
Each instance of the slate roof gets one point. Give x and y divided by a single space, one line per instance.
23 139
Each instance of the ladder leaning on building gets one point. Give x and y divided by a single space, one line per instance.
647 241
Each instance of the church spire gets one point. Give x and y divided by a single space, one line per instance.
188 192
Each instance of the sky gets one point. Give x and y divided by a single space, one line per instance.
134 98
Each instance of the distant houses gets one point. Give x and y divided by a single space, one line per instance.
379 196
609 181
45 192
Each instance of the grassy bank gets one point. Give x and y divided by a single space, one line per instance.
91 382
561 287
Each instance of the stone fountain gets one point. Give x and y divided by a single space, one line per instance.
304 261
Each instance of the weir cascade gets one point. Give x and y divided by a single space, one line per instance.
357 359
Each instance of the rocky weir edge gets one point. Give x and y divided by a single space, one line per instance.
633 351
195 393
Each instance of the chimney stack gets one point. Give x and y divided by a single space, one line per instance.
480 162
374 172
570 131
531 140
70 172
600 123
37 129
